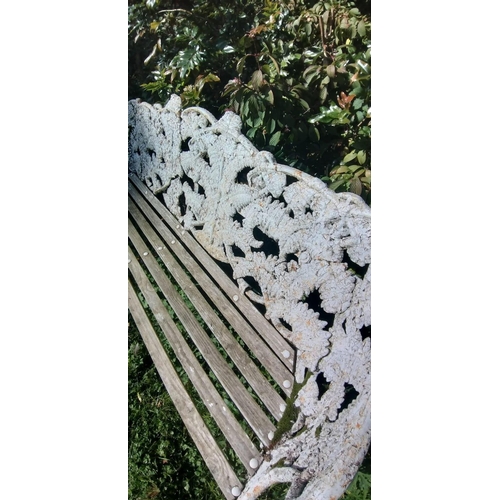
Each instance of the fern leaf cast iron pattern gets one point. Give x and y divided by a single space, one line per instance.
297 248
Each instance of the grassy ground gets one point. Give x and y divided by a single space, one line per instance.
163 462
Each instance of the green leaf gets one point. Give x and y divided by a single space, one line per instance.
356 169
299 87
321 118
251 132
275 138
311 76
212 78
207 79
241 65
349 157
357 103
276 65
309 69
341 170
336 184
313 133
154 25
271 126
228 49
257 122
304 103
266 69
257 78
327 115
356 186
244 108
361 157
361 28
252 105
330 70
151 55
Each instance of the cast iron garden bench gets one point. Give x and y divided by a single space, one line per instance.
255 278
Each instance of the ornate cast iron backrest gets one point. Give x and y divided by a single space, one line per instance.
297 248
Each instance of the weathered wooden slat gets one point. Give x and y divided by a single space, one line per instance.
243 400
268 357
204 441
225 420
248 369
265 329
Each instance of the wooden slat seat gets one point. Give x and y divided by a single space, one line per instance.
214 458
152 242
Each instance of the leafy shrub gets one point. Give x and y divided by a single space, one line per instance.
296 72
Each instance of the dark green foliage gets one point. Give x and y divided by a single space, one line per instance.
297 73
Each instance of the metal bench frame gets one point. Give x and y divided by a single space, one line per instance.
275 268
